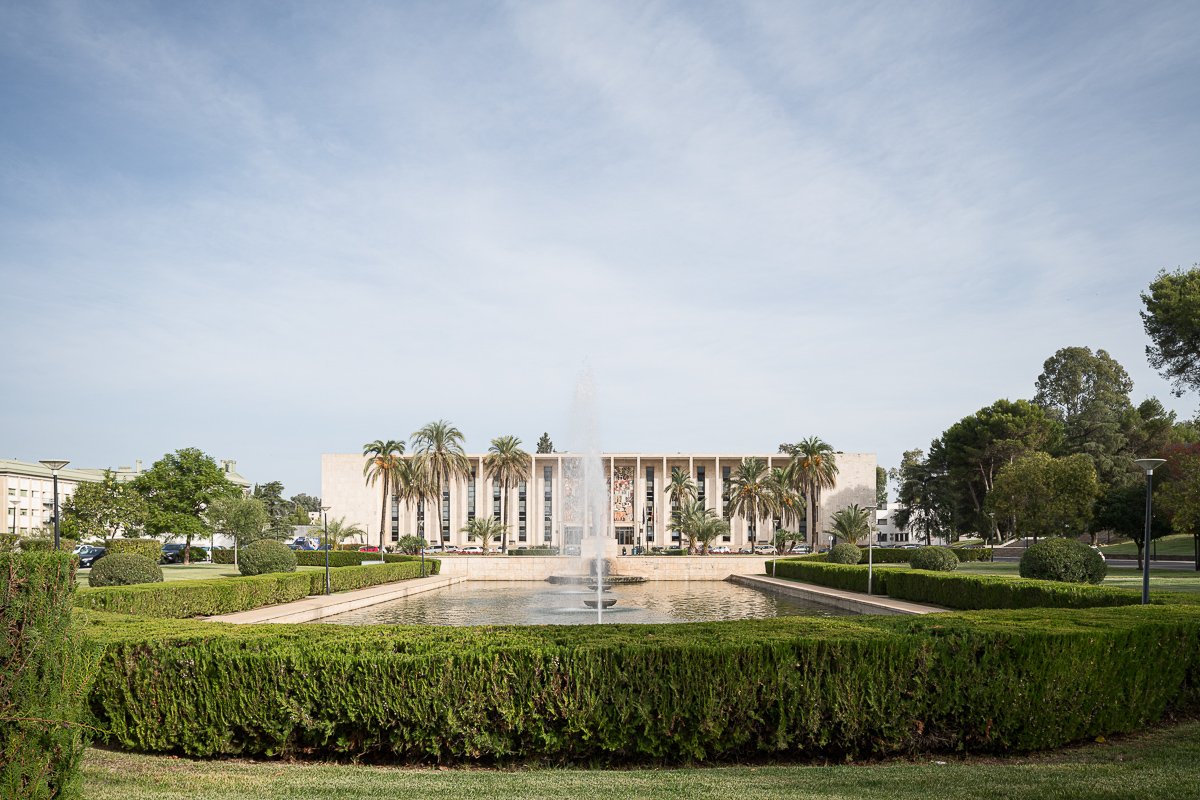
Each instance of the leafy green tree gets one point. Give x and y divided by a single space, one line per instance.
1047 496
177 490
680 489
850 524
485 529
507 465
1122 510
278 509
814 469
410 545
750 493
973 450
297 516
103 510
245 519
1172 321
786 501
881 482
383 459
924 495
544 445
307 502
1179 495
440 453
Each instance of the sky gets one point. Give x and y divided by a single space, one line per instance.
275 230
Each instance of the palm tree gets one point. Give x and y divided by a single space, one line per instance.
710 528
699 526
340 531
485 529
851 523
411 483
507 464
687 522
749 493
814 468
439 449
383 457
789 503
680 489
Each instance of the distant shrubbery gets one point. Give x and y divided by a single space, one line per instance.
936 559
263 556
1063 560
125 569
845 553
150 548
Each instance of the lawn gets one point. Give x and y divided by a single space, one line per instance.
1180 544
1171 580
188 572
1161 763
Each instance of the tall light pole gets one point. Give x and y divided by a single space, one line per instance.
870 547
54 466
325 516
1148 465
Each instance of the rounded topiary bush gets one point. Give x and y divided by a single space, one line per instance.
258 558
1063 560
938 559
124 569
845 553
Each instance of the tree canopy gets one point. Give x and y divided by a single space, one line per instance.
104 510
177 490
1172 321
1046 496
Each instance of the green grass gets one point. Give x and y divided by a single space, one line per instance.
1180 544
1166 580
189 572
1161 763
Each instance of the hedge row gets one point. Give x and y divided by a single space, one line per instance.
150 548
789 687
964 591
901 555
972 553
46 668
40 544
337 558
183 599
535 551
851 578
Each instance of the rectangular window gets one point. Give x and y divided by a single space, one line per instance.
548 507
445 513
521 515
496 501
725 472
649 511
700 486
471 497
395 519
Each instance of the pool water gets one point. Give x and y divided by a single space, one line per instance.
540 603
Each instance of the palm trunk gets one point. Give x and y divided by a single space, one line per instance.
504 519
383 505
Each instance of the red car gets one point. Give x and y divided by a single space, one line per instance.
368 548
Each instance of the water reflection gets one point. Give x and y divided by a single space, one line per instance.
537 603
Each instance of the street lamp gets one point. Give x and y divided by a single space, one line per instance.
870 547
14 502
1148 465
54 466
325 515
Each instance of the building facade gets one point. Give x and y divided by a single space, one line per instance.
28 489
544 510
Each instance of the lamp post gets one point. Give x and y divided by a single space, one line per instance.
14 503
1148 465
54 466
325 517
870 547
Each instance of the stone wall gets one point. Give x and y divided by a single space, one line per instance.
655 568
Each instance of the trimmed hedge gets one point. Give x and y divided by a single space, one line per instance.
888 555
39 544
965 554
8 542
150 548
182 599
46 670
963 591
936 559
535 551
848 577
844 553
124 569
221 555
1063 560
789 687
266 556
344 558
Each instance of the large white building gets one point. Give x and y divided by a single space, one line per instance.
543 510
28 489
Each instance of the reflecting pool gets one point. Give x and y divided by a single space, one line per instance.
540 603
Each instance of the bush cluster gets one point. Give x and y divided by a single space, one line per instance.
969 592
822 688
889 555
936 559
535 551
150 548
848 577
342 558
263 556
8 542
46 669
202 598
965 554
1063 560
45 544
125 569
845 553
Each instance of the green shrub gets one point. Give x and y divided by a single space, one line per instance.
45 544
1063 560
263 556
821 688
150 548
535 551
845 553
963 591
935 559
124 569
965 554
341 558
221 555
889 555
202 598
46 670
851 578
8 542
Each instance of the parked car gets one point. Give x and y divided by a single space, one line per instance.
471 550
765 550
721 549
305 543
173 553
434 549
369 548
89 555
800 549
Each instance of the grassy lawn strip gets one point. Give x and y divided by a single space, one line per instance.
1162 763
1180 544
1166 580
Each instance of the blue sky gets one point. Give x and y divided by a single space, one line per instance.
272 230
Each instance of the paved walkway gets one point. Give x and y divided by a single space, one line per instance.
320 606
838 598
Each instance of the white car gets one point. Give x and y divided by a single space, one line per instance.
471 550
765 550
721 549
433 550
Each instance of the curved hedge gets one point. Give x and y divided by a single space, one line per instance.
1063 560
844 553
202 598
789 687
124 569
266 556
935 559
